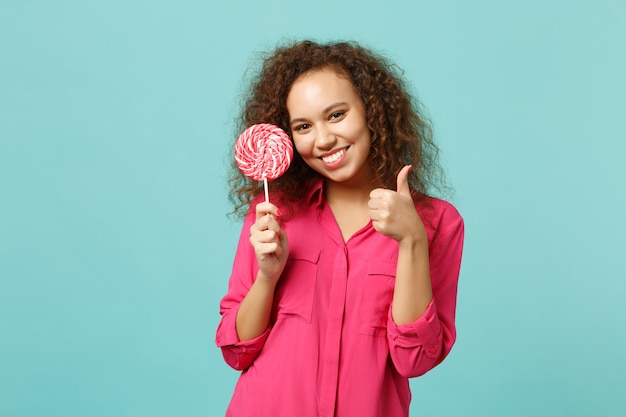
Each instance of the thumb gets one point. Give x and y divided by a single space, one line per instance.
403 181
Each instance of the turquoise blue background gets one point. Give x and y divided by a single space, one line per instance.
115 248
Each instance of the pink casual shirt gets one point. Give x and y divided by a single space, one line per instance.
332 348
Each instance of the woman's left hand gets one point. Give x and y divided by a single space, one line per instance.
393 213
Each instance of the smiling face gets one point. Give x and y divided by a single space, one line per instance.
329 127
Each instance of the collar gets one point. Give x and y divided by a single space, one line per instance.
315 195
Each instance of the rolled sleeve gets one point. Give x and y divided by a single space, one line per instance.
239 355
418 347
415 348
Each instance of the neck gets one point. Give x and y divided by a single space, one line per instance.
348 194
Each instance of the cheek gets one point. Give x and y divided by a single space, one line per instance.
355 129
357 135
303 147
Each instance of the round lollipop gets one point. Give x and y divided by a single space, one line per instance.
263 152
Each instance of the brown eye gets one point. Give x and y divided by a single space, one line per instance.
336 115
301 127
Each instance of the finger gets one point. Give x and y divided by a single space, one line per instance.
381 202
379 193
269 250
403 181
374 217
265 222
265 208
379 215
264 248
265 236
261 224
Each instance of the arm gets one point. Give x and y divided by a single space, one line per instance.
245 309
417 347
393 214
413 290
271 249
421 319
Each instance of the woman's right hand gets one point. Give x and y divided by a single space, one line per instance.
269 241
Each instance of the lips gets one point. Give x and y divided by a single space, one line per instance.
334 157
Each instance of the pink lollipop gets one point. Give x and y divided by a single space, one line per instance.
263 152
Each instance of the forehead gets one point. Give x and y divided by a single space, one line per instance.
326 84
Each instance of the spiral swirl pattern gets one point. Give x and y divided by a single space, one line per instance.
263 151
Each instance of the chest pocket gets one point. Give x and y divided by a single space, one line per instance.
377 297
296 286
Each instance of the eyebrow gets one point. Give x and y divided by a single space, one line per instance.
326 110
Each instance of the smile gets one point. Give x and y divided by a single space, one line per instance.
329 159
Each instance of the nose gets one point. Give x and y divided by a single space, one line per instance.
325 139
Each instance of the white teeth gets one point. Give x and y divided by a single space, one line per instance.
334 157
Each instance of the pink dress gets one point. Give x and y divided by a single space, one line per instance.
332 348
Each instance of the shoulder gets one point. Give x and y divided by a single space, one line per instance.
440 214
445 229
443 222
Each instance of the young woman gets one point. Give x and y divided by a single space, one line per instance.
345 285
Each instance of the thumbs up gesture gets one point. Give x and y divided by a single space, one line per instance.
393 213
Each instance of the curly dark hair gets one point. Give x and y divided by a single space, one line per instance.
400 134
